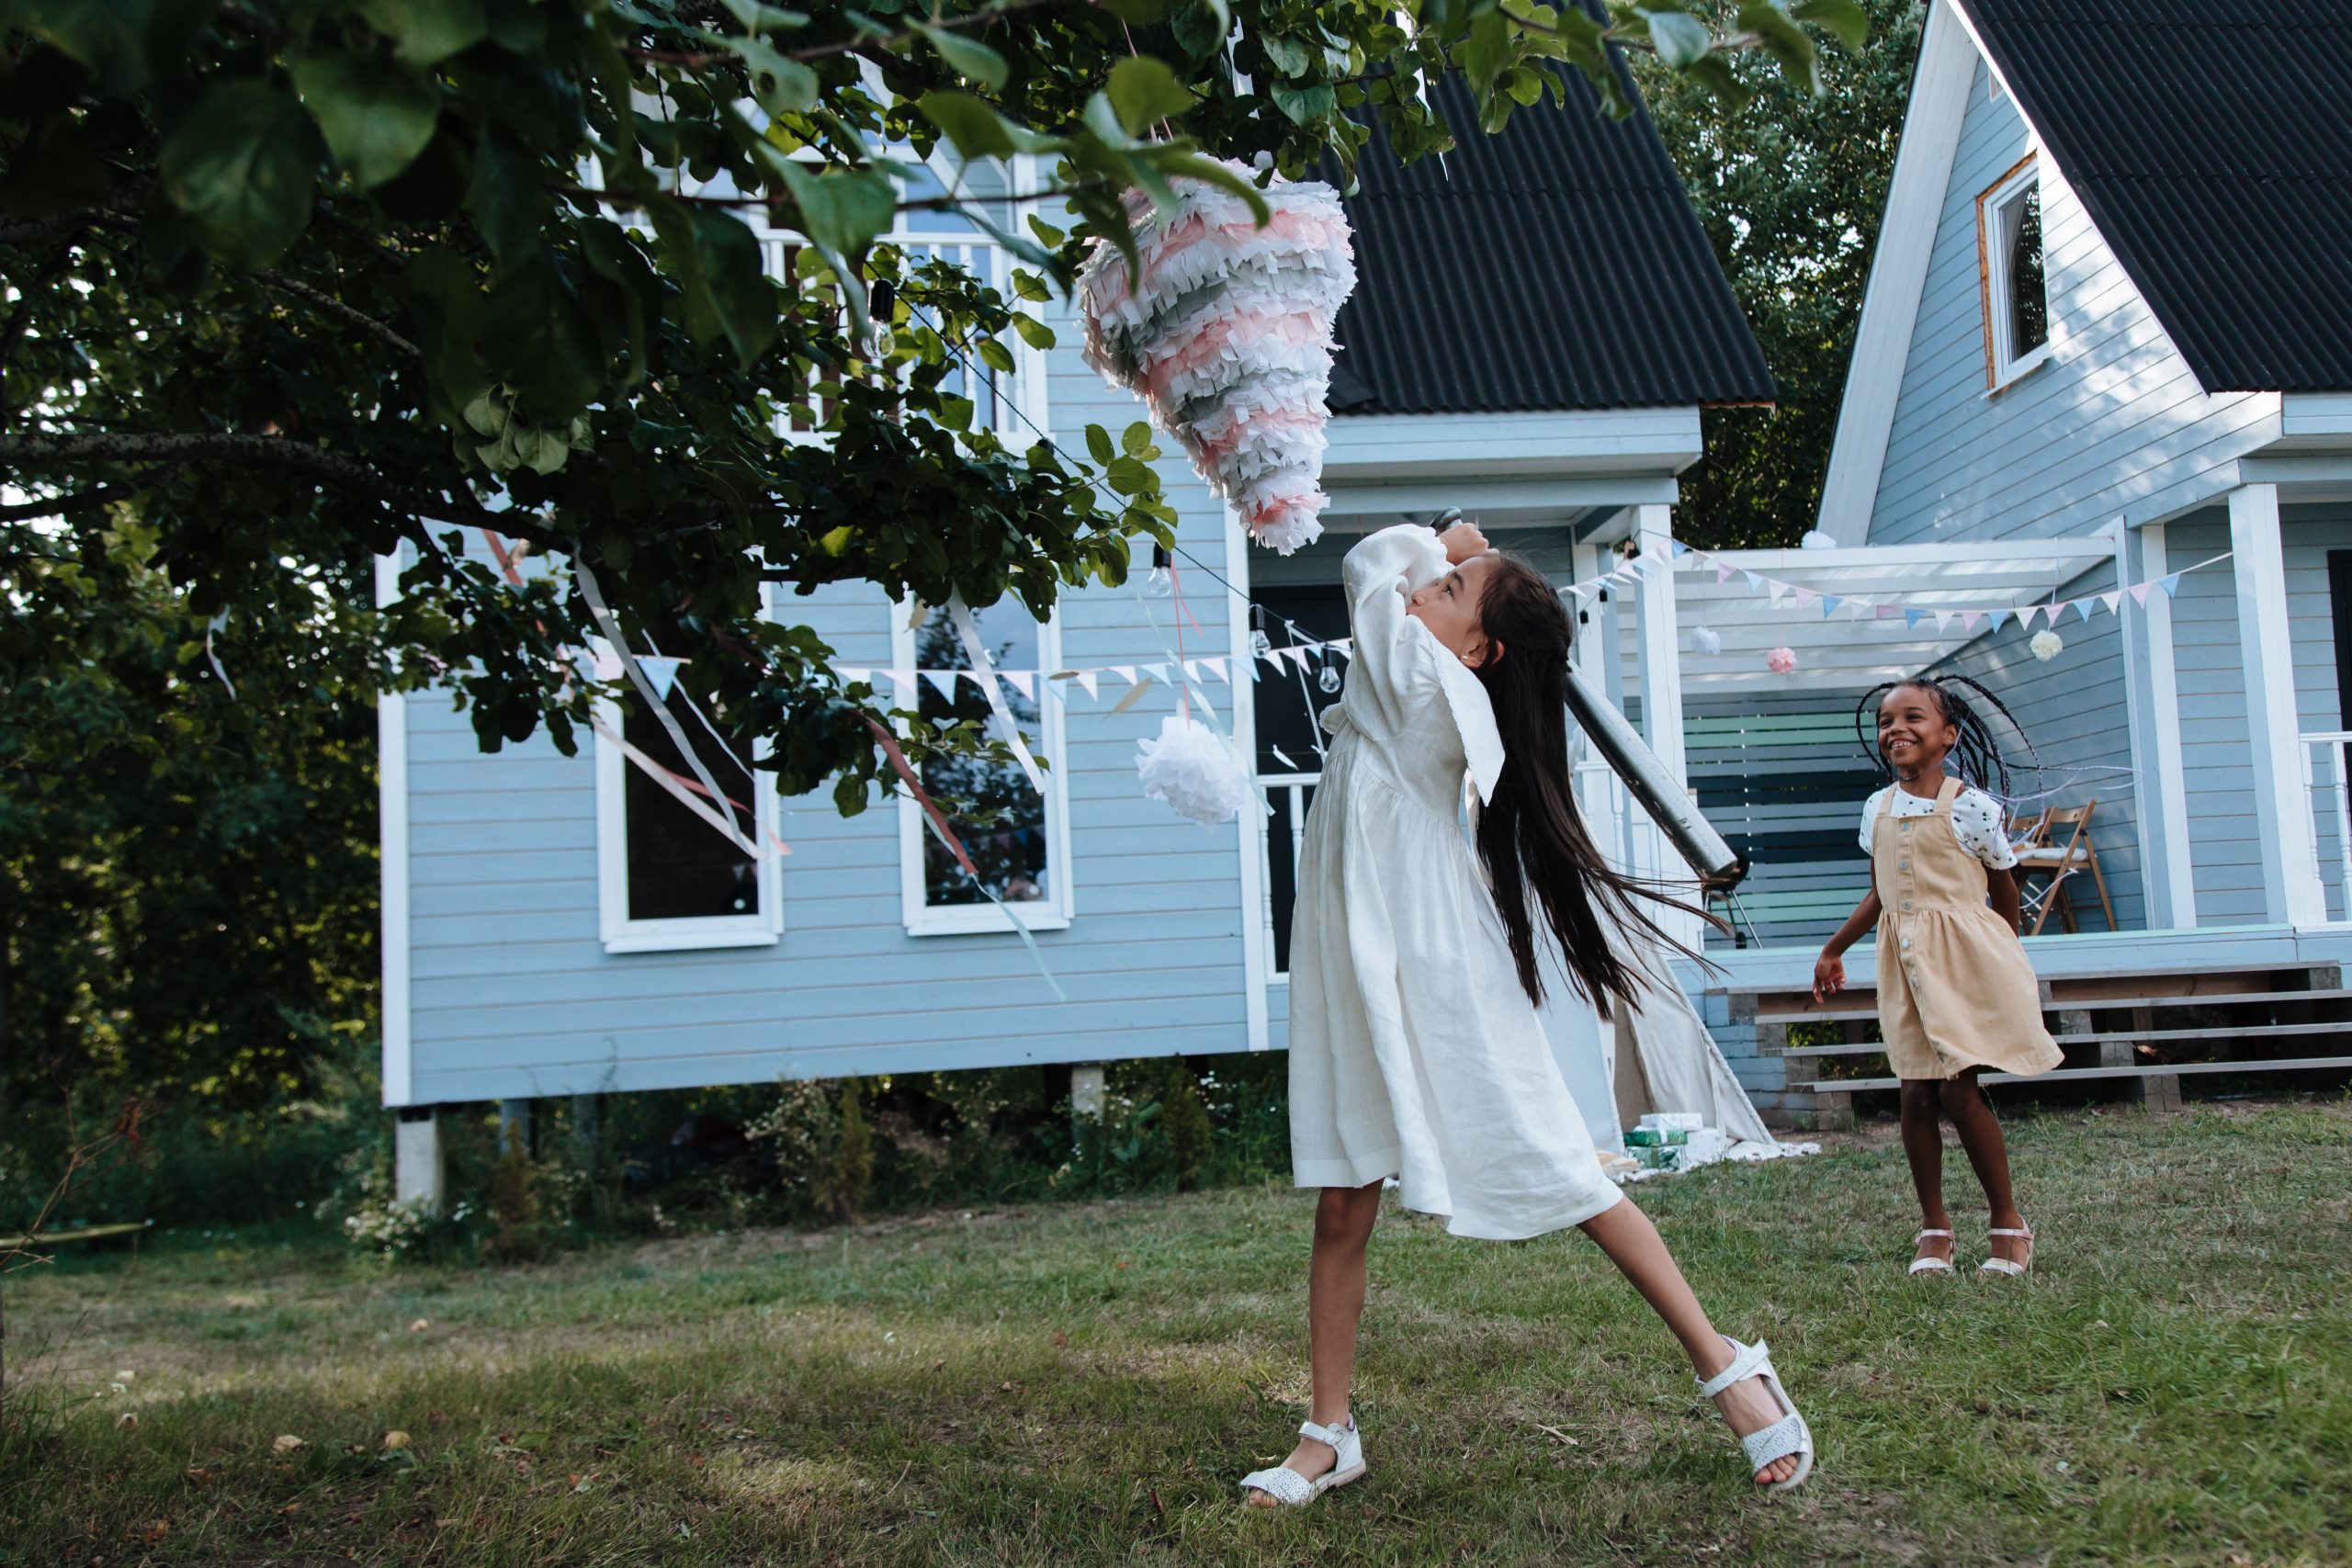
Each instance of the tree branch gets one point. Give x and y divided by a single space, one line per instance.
337 308
332 467
60 505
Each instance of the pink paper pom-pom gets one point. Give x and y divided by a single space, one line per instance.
1780 661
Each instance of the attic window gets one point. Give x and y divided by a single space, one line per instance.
2016 294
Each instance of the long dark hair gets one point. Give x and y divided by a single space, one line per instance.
1531 835
1977 756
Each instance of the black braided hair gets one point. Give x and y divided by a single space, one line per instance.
1978 756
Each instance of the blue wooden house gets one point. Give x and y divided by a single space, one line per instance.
2107 340
1538 325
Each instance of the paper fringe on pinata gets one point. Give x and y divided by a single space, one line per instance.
1227 337
1190 769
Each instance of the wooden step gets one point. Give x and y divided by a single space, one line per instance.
2063 1075
2141 1037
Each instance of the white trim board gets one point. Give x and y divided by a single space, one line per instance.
1906 239
1256 949
399 1073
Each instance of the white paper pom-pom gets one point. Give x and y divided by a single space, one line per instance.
1704 639
1815 539
1190 769
2045 645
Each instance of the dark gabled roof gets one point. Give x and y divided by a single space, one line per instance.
2211 142
1555 264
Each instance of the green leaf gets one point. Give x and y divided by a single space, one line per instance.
429 31
1289 56
1789 45
1136 438
1681 40
1198 29
974 128
841 209
1303 106
1483 54
1033 333
760 20
994 355
376 116
508 202
542 343
1098 444
779 85
836 543
243 171
1136 13
1846 19
967 57
1143 90
107 36
717 264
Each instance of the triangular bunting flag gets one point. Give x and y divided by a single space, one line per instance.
1830 601
1943 621
1347 646
1999 617
851 677
905 681
1191 668
944 680
1755 580
1158 673
1677 548
2084 606
660 674
1806 596
2112 601
2140 594
1885 612
1296 655
1091 680
1126 672
1216 668
1723 569
1970 619
1913 617
1023 681
2171 586
1780 592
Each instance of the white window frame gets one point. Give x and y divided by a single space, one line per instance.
1996 213
1027 404
620 933
922 917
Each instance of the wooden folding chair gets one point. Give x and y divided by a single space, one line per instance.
2062 849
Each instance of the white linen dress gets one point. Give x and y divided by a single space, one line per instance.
1413 1051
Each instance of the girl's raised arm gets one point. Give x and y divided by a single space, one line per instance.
1380 575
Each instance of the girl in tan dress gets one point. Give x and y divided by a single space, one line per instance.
1956 993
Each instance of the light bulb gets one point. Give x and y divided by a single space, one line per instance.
1329 680
1261 644
1158 584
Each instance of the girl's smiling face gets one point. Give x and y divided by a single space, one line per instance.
1914 734
1449 607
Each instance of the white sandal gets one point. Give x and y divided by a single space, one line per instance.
1787 1435
1930 1265
2005 1266
1289 1488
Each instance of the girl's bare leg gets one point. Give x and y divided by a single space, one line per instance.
1335 1286
1988 1153
1923 1145
1625 1234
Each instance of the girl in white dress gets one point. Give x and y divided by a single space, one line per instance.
1414 1047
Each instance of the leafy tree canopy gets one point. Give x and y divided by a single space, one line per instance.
297 280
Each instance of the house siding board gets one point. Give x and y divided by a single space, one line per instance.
515 995
2225 842
2113 424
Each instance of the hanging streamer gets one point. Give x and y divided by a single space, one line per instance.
983 671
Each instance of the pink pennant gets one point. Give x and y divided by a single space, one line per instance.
1723 569
1970 619
1886 612
1806 598
2140 594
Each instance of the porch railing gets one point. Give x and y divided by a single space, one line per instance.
2327 783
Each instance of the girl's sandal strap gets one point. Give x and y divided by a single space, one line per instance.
1746 1362
1330 1437
1285 1485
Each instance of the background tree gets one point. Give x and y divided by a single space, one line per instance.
1791 188
292 282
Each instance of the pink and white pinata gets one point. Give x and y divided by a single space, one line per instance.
1227 338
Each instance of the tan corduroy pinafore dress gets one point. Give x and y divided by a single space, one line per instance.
1955 989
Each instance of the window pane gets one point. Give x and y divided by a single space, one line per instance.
1006 835
680 867
1288 702
2028 301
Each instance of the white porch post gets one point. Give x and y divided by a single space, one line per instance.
419 1174
1661 667
2167 875
2291 890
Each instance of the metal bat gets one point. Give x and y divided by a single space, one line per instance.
1648 782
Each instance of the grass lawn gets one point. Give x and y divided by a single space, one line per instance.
1071 1385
